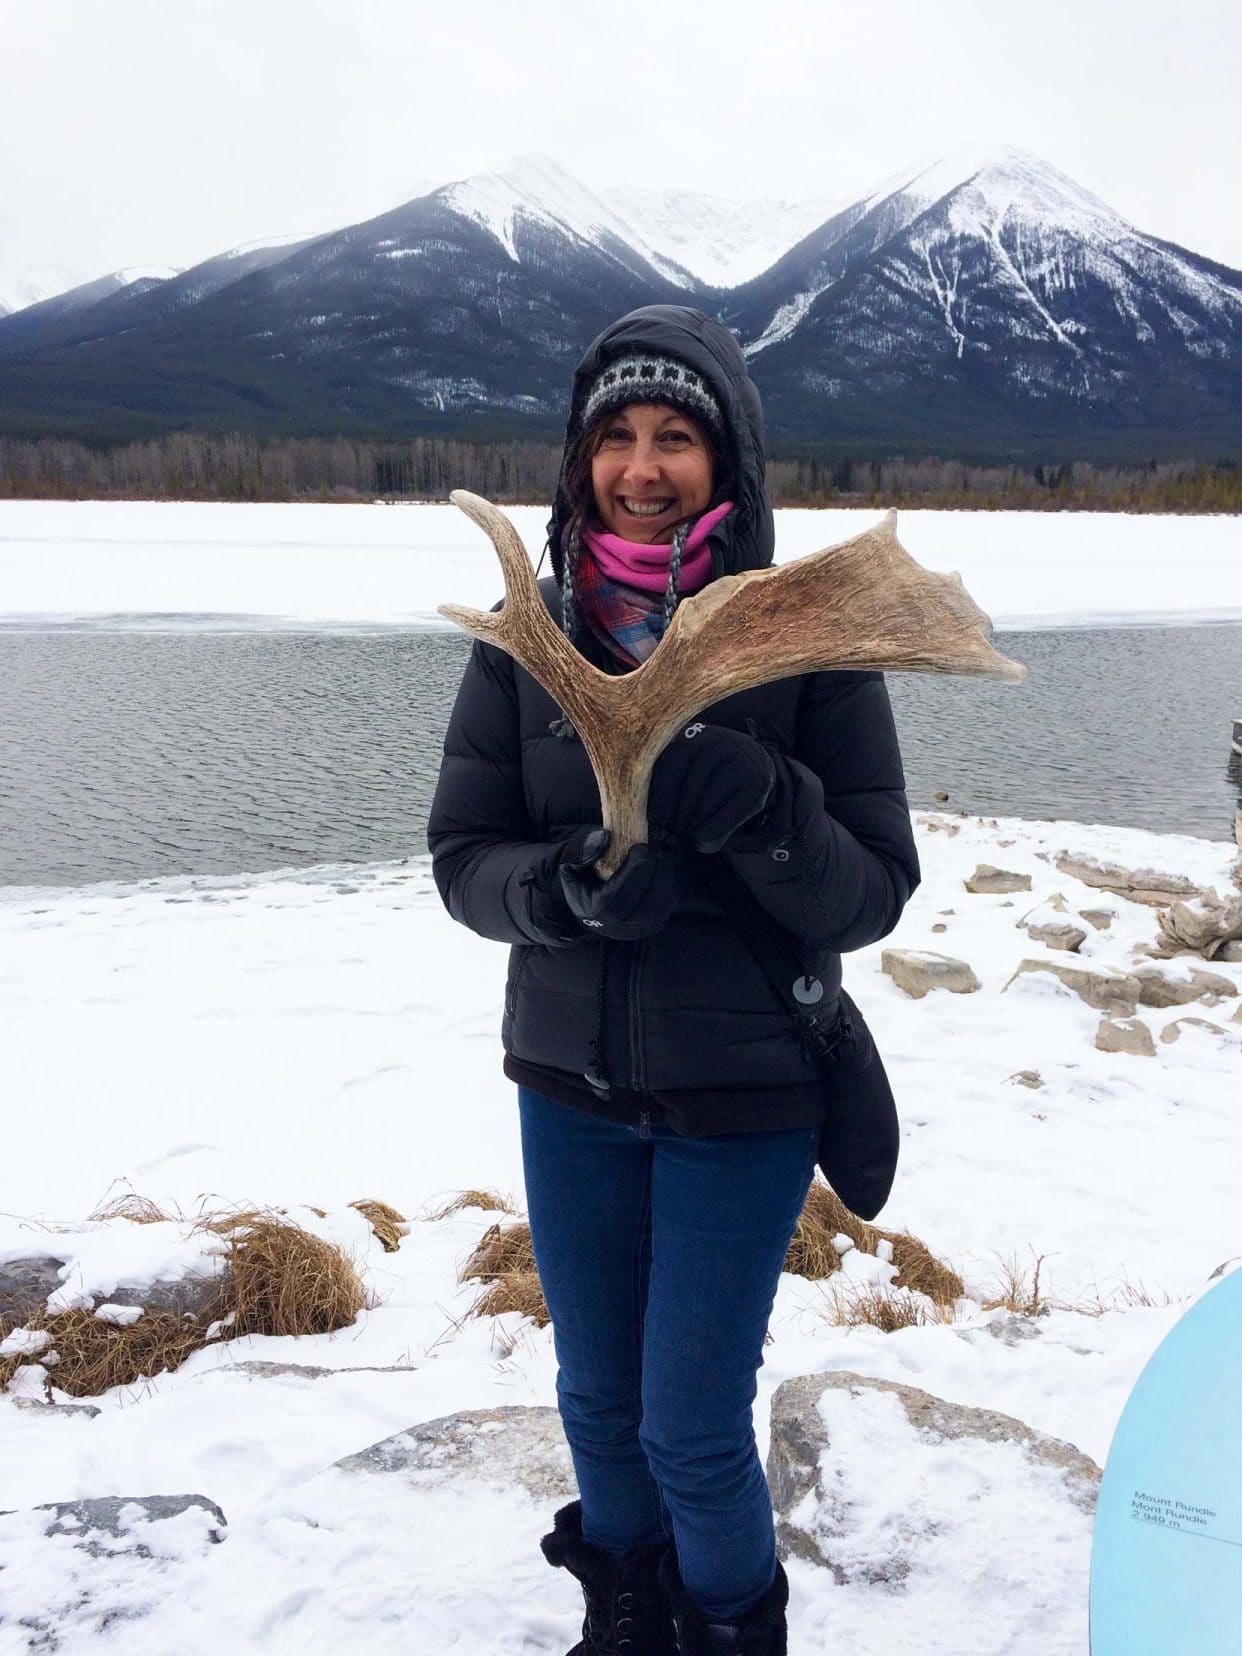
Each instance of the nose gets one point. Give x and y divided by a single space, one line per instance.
643 463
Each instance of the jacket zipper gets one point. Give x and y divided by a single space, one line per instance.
635 1010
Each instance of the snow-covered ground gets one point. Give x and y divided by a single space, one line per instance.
320 1036
174 564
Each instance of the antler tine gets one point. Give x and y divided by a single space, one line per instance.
523 626
521 592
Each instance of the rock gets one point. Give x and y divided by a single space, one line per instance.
1173 1031
1125 1035
35 1405
184 1296
1160 989
1232 952
818 1418
1026 1078
940 926
257 1369
1100 918
918 970
123 1518
1013 1329
987 880
1140 885
1108 991
510 1445
1203 926
26 1283
1058 934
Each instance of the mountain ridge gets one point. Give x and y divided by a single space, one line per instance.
981 296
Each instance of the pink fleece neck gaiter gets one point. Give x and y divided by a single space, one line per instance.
646 567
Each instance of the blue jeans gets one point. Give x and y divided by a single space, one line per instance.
659 1257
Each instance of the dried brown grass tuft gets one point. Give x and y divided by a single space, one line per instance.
283 1279
92 1355
824 1215
139 1210
389 1225
500 1252
514 1291
884 1308
490 1201
1018 1290
279 1279
504 1258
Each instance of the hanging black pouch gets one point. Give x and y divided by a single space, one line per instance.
859 1138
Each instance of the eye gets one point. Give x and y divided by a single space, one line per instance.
677 437
617 434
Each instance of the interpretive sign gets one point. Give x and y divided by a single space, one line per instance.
1166 1562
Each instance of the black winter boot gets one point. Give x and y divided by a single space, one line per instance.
759 1631
626 1611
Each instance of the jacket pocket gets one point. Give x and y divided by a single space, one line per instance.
518 961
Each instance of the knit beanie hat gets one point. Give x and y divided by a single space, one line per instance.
648 377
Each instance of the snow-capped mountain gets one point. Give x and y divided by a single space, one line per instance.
989 279
532 194
982 301
723 241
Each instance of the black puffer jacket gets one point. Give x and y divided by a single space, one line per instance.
686 1023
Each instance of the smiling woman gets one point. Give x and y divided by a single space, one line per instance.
669 1101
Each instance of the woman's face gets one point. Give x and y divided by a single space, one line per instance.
652 468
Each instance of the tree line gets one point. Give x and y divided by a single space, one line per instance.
197 466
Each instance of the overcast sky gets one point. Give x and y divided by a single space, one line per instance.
162 131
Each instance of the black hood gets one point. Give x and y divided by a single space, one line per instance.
746 538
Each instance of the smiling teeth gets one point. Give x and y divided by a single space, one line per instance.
646 508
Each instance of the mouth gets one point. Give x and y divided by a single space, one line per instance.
646 508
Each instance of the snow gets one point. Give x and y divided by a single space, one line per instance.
306 1038
535 188
320 1035
161 565
723 240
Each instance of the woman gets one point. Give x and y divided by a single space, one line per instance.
669 1106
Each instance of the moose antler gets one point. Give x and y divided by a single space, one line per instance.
862 604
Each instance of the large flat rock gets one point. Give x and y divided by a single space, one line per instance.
876 1480
511 1445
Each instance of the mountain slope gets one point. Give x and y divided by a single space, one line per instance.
989 285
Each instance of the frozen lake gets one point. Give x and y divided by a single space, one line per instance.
219 690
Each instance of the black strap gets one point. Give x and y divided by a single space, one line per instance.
822 1028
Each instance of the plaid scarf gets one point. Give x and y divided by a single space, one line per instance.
629 623
629 620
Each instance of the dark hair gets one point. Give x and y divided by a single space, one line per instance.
580 495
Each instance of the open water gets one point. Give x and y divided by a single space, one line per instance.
128 754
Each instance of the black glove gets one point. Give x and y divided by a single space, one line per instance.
548 917
635 902
710 782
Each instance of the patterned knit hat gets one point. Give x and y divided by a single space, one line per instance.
652 378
